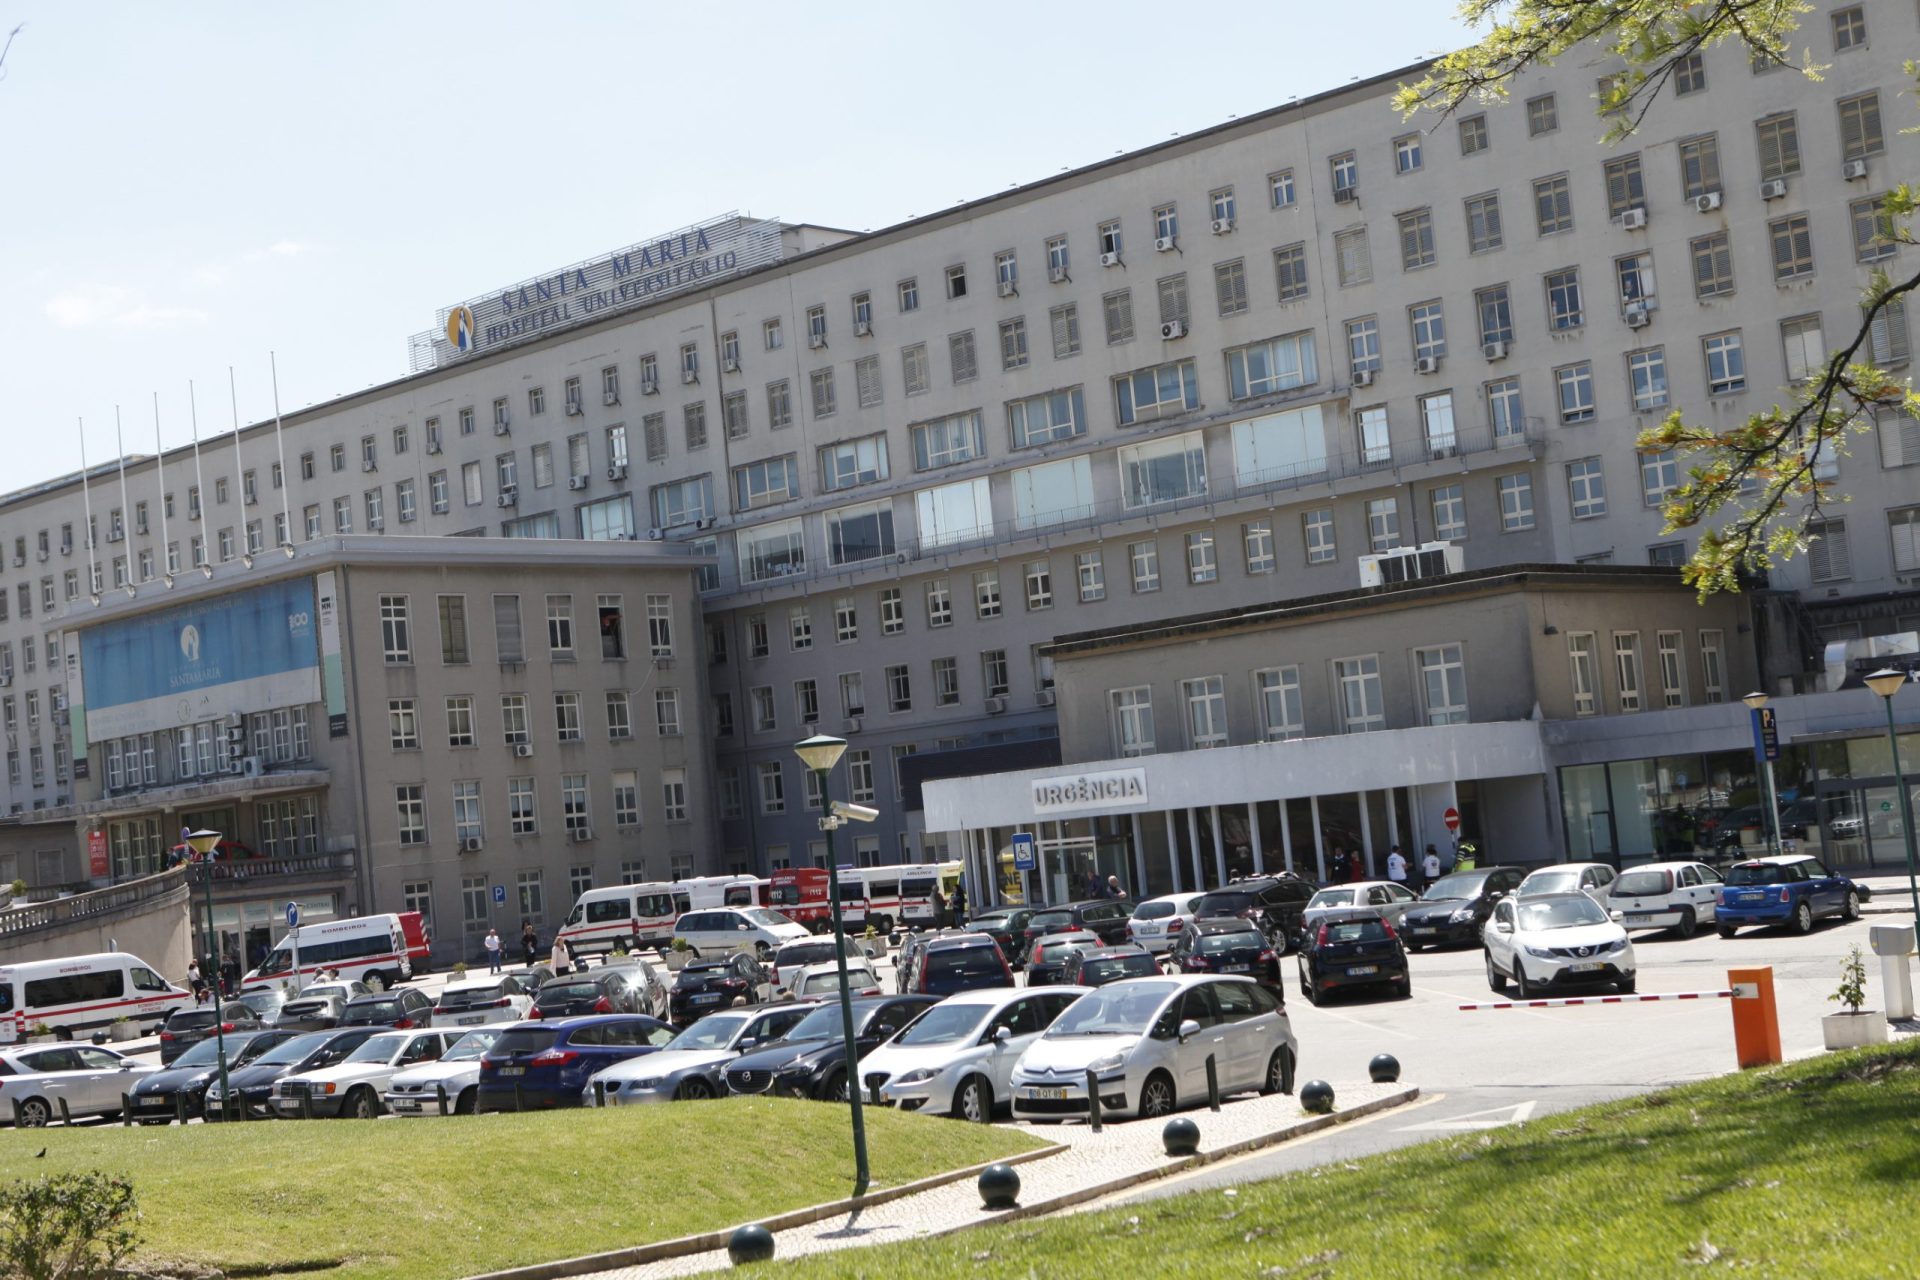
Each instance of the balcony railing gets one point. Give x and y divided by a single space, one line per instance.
237 869
99 902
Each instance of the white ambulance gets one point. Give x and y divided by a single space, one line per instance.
80 994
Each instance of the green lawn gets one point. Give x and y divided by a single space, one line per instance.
418 1199
1808 1170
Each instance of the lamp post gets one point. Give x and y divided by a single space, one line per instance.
820 753
1886 682
204 843
1755 701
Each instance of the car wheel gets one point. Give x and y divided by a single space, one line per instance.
974 1102
361 1105
1279 1078
1521 988
835 1089
1414 946
34 1113
375 983
1495 978
693 1089
762 952
1852 910
1156 1096
1688 923
465 1104
1803 918
1727 931
1626 985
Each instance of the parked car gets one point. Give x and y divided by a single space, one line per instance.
707 985
319 1006
1105 917
416 1090
477 1002
577 994
87 1078
196 1068
404 1008
1226 944
184 1028
1792 890
545 1064
960 962
1048 958
822 981
689 1066
957 1058
650 983
1275 903
265 1003
1357 949
1148 1041
810 1061
1156 922
1097 966
1006 926
795 956
1454 909
1679 896
718 930
252 1085
907 958
1383 898
1553 940
351 1088
1590 878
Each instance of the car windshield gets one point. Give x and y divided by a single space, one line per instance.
1563 914
1213 943
1356 931
373 1010
1127 1009
1049 921
1758 873
1222 904
787 895
1332 898
804 953
1553 882
1153 911
377 1049
191 1019
206 1054
824 1023
1643 884
944 1024
716 1031
1114 968
564 990
454 998
830 981
470 1046
295 1050
918 887
261 1002
1455 886
766 919
965 962
522 1040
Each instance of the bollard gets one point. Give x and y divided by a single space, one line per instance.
599 1093
180 1108
440 1091
751 1243
66 1116
1316 1096
519 1097
1180 1136
306 1105
999 1187
1384 1069
126 1111
1756 1021
1213 1085
1893 943
1093 1100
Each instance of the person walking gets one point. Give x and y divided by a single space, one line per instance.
1430 866
529 941
562 960
1397 866
195 983
957 904
492 945
1337 866
1115 889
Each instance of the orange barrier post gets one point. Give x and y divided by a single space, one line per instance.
1756 1022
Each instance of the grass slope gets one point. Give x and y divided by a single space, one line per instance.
420 1199
1812 1169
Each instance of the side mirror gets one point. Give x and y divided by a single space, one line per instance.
1002 1035
1501 926
746 1042
1188 1028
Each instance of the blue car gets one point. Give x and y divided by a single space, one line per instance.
1793 890
541 1065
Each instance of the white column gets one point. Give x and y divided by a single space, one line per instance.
1286 837
1319 845
1173 851
1193 838
1139 858
1366 834
1219 845
1393 831
1253 824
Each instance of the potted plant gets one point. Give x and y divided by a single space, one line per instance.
459 972
676 956
874 943
1857 1026
122 1029
39 1033
18 889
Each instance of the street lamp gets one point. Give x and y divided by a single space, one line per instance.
204 843
1755 701
1886 682
820 753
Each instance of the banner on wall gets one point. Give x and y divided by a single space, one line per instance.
97 864
326 591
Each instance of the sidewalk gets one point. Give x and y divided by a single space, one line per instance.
1892 895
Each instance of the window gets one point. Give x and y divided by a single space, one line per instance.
1013 343
762 484
453 629
1647 375
1483 223
1317 531
1166 470
1575 385
666 714
1516 503
342 523
1586 489
1064 323
1091 575
824 402
1436 421
986 593
1860 134
893 612
1172 293
1904 526
993 672
1689 75
1585 677
1202 564
946 682
1626 668
1626 187
411 802
1495 312
1416 240
403 725
574 814
1345 169
1667 555
1449 506
1038 575
1429 330
1804 346
1552 205
1779 142
1383 524
1256 545
1353 261
1006 272
1117 308
437 495
1363 346
514 729
404 498
899 689
956 281
939 594
1849 28
560 626
1132 721
960 353
460 721
1873 231
1829 556
908 292
1659 476
852 463
1888 334
1166 223
1361 707
523 817
1712 265
1290 274
1712 666
954 513
682 502
566 716
396 629
1726 364
764 717
1057 258
1541 115
1792 242
1206 704
846 620
1144 557
1057 415
472 485
799 629
1699 165
1443 684
1564 308
1265 368
1406 153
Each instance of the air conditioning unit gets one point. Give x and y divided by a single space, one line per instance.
1427 364
580 835
704 522
500 428
649 386
853 725
1363 377
1638 317
1773 189
1163 244
862 329
1108 260
575 409
576 482
1173 329
1221 226
689 376
1407 564
1056 275
522 750
618 471
1854 170
376 523
1708 202
472 844
729 365
1008 289
1043 697
655 534
43 556
1345 195
1631 220
433 447
816 340
1494 350
510 495
366 464
609 397
253 766
996 705
6 681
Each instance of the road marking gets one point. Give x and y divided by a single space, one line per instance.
1514 1114
1361 1022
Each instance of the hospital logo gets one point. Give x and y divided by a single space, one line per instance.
190 643
460 328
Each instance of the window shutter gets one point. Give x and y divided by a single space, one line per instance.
1119 315
656 431
1173 299
913 368
1905 526
1899 439
1619 197
1829 558
1066 331
960 349
506 628
866 376
1889 334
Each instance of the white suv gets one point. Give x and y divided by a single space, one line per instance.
719 931
352 1087
480 1001
1156 922
957 1058
1680 896
1556 940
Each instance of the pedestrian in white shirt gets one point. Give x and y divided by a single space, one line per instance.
1397 866
493 950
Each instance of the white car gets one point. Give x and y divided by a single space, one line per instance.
957 1058
790 959
1556 940
1680 896
822 981
1590 878
416 1091
479 1001
717 931
87 1078
1383 898
1148 1040
688 1066
1157 921
351 1088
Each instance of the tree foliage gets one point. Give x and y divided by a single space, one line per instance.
70 1226
1755 485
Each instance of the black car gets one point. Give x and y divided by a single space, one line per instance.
1006 926
196 1068
185 1028
810 1060
1226 944
578 994
1047 962
706 985
1275 903
402 1009
1097 966
309 1052
1352 949
1454 909
1106 917
966 962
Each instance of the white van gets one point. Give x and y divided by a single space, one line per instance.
625 915
369 949
84 993
726 891
723 930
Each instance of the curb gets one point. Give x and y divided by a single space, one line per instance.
707 1242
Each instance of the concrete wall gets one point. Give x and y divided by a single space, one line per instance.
156 928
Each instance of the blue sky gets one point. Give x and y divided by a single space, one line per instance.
187 187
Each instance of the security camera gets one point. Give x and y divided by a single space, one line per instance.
854 812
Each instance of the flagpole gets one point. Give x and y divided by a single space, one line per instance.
239 475
126 506
86 499
280 445
160 481
199 484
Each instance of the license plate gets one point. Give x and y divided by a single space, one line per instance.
706 999
1639 918
1420 928
401 1104
1146 928
1586 966
470 1020
1753 897
513 1071
1050 1093
1359 970
1236 968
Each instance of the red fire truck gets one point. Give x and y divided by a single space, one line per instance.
800 894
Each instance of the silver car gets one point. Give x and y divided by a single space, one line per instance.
87 1078
688 1066
1383 898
